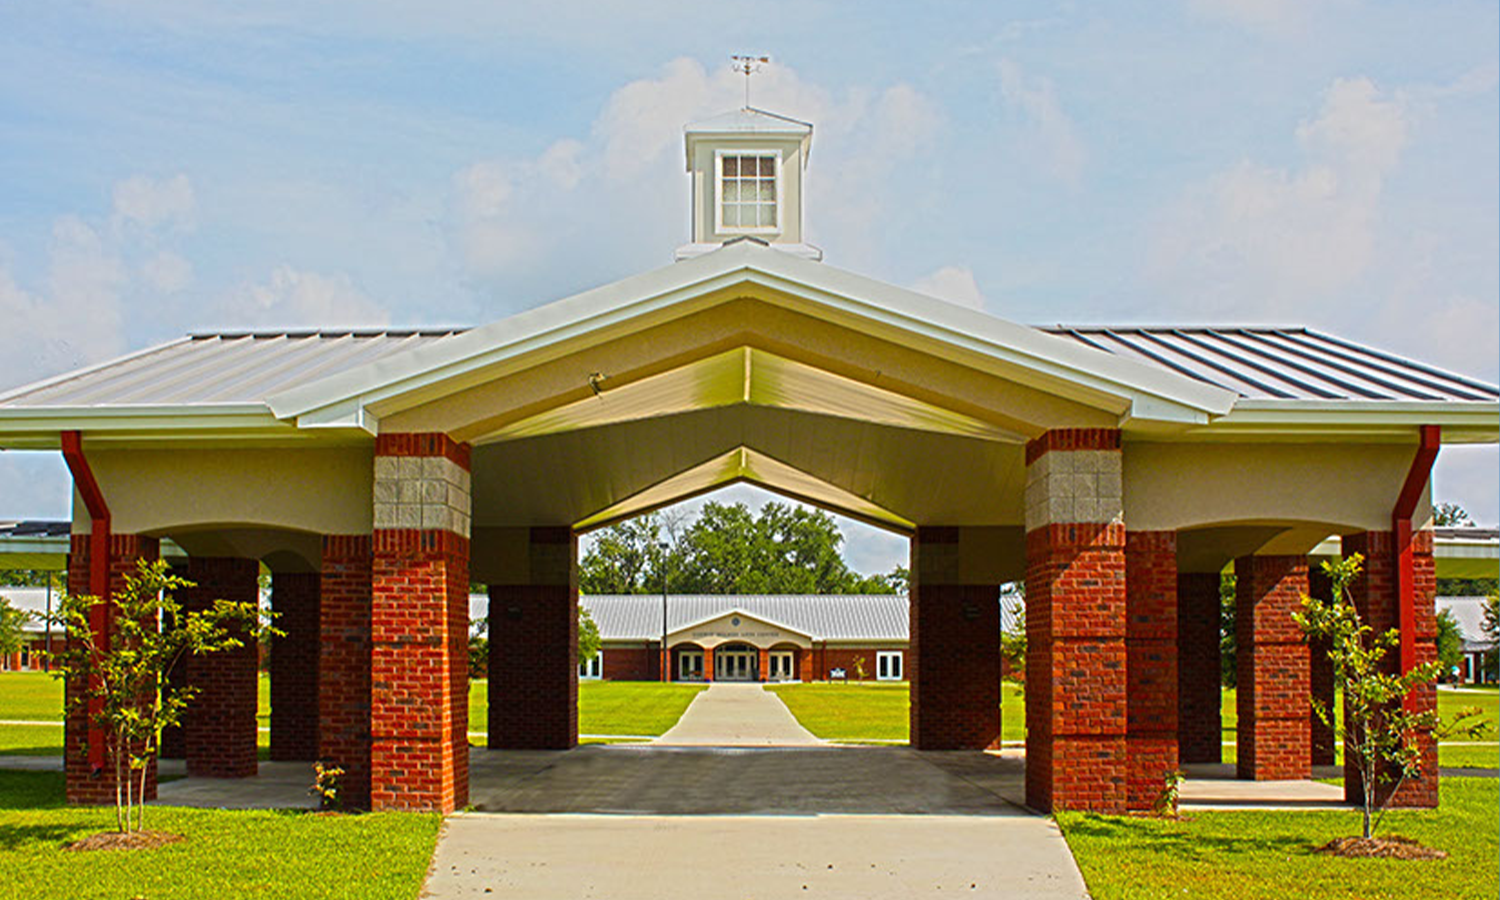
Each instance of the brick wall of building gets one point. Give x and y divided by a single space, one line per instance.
1199 674
1272 669
1320 679
419 672
953 659
219 725
87 784
534 652
1151 662
1375 595
294 666
344 662
1076 713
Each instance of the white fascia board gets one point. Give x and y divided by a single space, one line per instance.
1008 343
168 421
1463 422
592 313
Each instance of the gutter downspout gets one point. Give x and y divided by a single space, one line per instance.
1401 526
93 500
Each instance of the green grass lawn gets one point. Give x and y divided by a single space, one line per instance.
608 707
874 712
247 853
1248 855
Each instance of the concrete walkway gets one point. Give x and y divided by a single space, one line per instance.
672 858
737 715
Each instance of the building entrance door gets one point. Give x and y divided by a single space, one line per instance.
781 665
736 663
690 665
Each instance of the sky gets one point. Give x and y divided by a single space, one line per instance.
169 166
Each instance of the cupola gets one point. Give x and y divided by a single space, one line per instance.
746 168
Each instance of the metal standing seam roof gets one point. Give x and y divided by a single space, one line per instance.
246 367
831 617
1281 363
221 368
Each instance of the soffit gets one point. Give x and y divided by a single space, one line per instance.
889 476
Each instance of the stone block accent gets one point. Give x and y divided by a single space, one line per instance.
1272 669
86 785
344 591
953 657
219 725
422 493
1074 487
1199 678
1151 662
294 666
1375 595
1076 711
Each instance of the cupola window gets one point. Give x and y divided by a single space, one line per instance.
749 190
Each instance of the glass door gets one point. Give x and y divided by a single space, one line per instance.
781 665
690 665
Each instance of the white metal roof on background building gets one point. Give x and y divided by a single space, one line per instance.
1256 363
830 617
1469 613
1280 363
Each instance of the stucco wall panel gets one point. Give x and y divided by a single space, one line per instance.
154 491
1178 486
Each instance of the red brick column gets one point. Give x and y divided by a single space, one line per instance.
1320 677
419 624
953 659
86 785
708 664
1271 663
534 650
294 666
764 662
1151 662
344 662
218 726
1375 596
1199 677
1075 622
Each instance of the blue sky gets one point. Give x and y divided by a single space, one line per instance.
169 166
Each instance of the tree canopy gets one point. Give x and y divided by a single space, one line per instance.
728 549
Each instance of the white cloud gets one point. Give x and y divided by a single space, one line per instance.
1273 239
167 272
952 283
1053 140
155 203
292 298
75 321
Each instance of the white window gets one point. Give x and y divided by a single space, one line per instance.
888 665
748 191
592 668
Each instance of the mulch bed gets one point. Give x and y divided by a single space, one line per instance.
113 840
1393 847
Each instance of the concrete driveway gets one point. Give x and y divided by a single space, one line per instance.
688 822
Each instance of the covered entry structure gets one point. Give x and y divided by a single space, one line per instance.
378 474
1116 471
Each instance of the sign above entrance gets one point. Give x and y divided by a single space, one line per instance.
738 627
